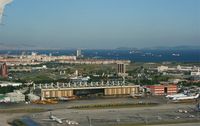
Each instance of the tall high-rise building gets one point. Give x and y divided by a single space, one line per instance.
121 68
4 70
78 53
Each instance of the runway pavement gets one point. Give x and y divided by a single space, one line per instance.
104 117
164 112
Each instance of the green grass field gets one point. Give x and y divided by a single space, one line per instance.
108 106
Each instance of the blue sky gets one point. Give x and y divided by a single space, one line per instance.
101 23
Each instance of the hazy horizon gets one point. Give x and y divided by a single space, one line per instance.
100 24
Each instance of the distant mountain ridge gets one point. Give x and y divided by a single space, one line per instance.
8 46
24 46
126 48
181 47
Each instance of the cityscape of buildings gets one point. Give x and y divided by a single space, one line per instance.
117 86
99 63
46 79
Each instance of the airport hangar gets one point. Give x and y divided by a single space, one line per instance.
82 89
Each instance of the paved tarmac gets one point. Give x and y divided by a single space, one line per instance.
105 117
164 112
182 124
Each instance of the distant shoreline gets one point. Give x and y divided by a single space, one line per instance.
132 55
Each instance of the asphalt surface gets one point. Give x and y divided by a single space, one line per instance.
105 117
88 101
164 112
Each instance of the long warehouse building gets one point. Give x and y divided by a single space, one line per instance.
59 91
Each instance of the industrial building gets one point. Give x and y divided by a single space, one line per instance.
168 89
5 84
15 97
85 89
33 97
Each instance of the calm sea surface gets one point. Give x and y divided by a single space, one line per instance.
137 56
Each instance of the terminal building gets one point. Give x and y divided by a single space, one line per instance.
85 89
